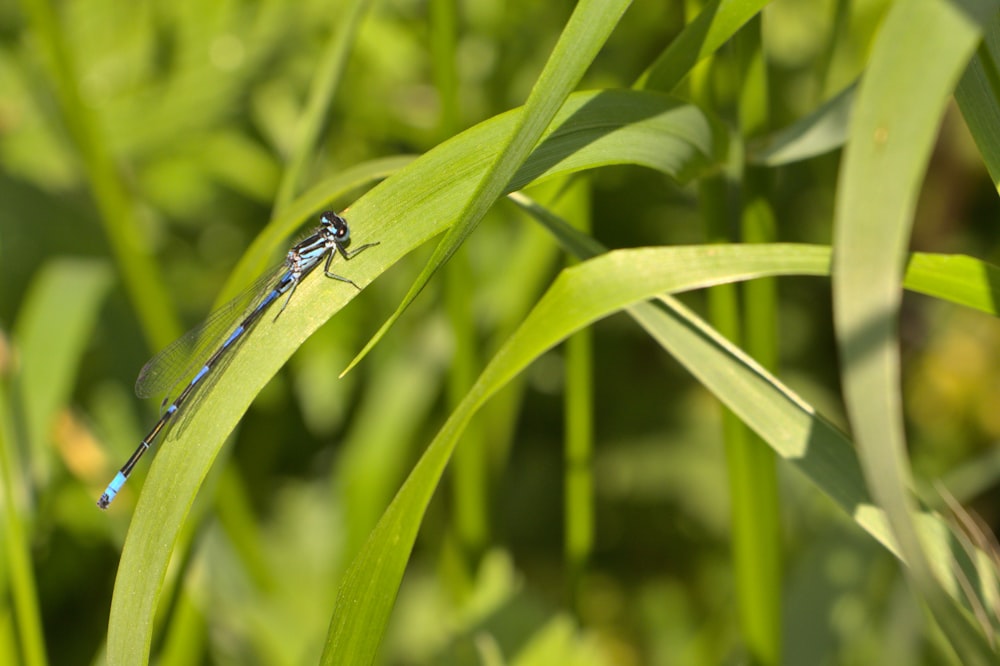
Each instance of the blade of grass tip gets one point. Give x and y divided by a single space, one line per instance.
929 274
717 22
822 131
676 331
585 33
918 57
795 431
324 85
957 278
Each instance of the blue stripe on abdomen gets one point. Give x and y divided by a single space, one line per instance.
201 374
232 336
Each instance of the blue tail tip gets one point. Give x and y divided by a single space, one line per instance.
112 490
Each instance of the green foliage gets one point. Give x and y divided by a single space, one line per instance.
427 506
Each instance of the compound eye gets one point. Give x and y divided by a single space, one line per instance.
337 223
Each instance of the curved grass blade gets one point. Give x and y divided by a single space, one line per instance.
823 130
402 212
585 33
919 55
580 296
968 573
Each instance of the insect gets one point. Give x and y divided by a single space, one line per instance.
164 370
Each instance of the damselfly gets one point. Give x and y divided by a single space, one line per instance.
330 239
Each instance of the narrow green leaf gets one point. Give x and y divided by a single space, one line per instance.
324 85
978 96
715 25
19 576
588 28
143 284
580 296
920 53
957 278
404 211
823 130
375 455
53 329
754 498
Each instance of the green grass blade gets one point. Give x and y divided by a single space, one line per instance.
714 26
978 96
443 27
53 329
470 474
145 289
52 332
919 55
823 130
578 297
961 280
586 31
957 278
581 295
404 211
376 453
754 498
324 85
579 407
19 576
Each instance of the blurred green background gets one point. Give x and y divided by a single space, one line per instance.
197 104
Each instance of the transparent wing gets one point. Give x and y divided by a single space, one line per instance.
184 356
179 422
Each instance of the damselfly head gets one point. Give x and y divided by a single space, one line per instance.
337 224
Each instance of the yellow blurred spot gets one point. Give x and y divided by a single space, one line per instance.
78 447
